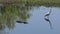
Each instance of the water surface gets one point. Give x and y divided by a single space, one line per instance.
37 24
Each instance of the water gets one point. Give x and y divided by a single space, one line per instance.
37 24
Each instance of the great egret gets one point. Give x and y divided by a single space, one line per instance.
48 13
46 17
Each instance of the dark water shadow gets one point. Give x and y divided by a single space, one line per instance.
22 22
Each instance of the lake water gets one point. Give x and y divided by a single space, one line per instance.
37 24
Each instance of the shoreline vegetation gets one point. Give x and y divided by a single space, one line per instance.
32 2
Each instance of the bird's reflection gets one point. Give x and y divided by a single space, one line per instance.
48 20
46 17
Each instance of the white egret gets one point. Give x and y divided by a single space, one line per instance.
46 17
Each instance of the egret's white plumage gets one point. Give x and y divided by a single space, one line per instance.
48 13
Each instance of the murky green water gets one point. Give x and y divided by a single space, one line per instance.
35 18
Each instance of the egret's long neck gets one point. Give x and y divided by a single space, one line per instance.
50 11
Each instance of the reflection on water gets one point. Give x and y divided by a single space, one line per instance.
49 22
11 14
46 17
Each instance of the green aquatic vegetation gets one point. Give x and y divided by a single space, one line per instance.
9 14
